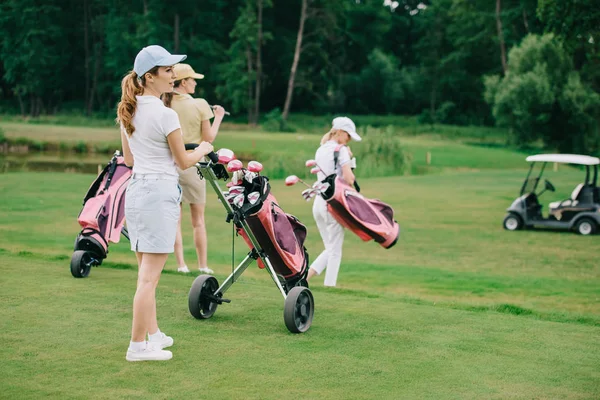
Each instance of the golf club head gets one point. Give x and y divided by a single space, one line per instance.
315 170
249 176
229 197
291 180
237 177
308 194
321 186
225 155
234 165
236 190
255 166
238 200
253 197
311 163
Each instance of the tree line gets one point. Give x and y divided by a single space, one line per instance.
530 65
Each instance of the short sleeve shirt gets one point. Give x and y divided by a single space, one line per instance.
191 113
153 123
324 158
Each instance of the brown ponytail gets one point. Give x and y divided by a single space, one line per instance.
167 98
130 87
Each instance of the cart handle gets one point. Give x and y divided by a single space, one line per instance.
214 157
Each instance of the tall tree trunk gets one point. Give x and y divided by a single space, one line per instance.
86 42
251 119
21 104
501 36
525 23
297 53
176 33
97 66
258 82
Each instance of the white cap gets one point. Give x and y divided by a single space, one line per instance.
346 124
154 56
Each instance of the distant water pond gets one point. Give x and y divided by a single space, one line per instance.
53 162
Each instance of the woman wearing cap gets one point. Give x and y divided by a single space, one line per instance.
332 233
194 115
153 145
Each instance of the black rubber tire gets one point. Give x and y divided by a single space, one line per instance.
81 264
512 222
298 309
201 307
586 226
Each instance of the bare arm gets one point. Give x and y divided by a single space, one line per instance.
347 173
127 155
209 133
184 159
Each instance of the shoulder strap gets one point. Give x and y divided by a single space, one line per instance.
336 155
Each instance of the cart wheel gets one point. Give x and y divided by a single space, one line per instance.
81 264
585 226
201 306
298 309
512 222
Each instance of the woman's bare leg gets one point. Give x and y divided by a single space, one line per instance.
179 242
144 301
200 238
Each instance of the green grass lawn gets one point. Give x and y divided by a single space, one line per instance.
459 308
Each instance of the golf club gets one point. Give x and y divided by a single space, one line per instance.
255 166
234 165
293 179
226 112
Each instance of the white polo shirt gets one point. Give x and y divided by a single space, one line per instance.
324 158
153 122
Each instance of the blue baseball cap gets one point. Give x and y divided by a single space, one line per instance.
155 56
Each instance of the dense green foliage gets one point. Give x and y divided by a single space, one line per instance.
543 98
423 58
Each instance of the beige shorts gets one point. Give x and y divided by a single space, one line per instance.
193 188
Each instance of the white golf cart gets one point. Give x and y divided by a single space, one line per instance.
579 213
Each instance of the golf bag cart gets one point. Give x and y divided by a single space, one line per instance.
275 238
579 213
102 216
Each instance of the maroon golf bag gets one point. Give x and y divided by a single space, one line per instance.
101 217
280 235
369 219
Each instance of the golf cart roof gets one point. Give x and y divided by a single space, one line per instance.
565 159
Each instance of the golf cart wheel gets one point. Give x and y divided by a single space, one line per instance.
201 298
586 226
298 309
81 264
512 222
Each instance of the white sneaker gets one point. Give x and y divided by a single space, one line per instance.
152 352
164 341
183 269
206 270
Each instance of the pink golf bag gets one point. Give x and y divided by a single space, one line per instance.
369 219
102 216
280 235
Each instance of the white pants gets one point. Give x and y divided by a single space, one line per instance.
332 234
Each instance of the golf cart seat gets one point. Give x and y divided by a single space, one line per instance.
572 201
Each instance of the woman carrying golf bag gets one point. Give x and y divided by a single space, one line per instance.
343 130
153 145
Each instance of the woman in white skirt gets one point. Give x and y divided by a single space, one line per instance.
153 145
332 233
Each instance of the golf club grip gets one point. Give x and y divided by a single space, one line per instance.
214 157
